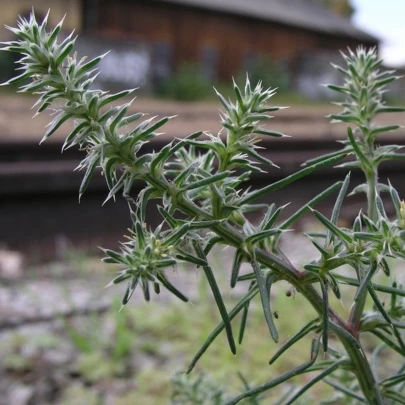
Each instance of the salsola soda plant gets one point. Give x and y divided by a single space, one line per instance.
196 183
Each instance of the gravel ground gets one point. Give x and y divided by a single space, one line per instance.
32 309
43 293
33 305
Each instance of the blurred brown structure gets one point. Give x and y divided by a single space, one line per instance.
224 36
150 39
10 9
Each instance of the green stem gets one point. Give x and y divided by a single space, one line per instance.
363 371
286 271
371 178
360 363
371 171
371 175
358 306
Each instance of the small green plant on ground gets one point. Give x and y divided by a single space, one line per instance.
196 183
186 84
103 356
267 72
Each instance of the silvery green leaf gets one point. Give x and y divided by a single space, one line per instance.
217 296
62 55
377 130
264 283
337 207
140 237
387 109
130 290
237 262
357 147
260 236
191 259
107 99
55 124
227 104
170 287
332 227
118 117
177 235
207 181
268 132
252 196
294 217
54 34
130 119
142 134
91 167
83 68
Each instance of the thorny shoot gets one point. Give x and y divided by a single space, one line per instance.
200 178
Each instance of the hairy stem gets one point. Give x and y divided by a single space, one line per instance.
371 174
371 178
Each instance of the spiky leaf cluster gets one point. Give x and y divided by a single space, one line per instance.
364 89
199 390
64 82
243 123
145 257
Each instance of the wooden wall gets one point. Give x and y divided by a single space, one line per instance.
190 32
11 9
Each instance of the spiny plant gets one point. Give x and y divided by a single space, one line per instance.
196 184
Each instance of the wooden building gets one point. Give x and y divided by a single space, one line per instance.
223 36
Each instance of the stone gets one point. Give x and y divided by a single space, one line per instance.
11 264
19 394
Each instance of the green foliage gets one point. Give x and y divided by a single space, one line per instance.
15 356
187 83
196 183
199 391
269 72
103 355
77 395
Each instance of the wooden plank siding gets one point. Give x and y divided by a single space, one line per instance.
189 31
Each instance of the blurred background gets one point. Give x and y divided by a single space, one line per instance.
175 51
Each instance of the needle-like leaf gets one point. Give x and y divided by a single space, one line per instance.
217 295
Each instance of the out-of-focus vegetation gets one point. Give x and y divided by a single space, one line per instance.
188 83
146 345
